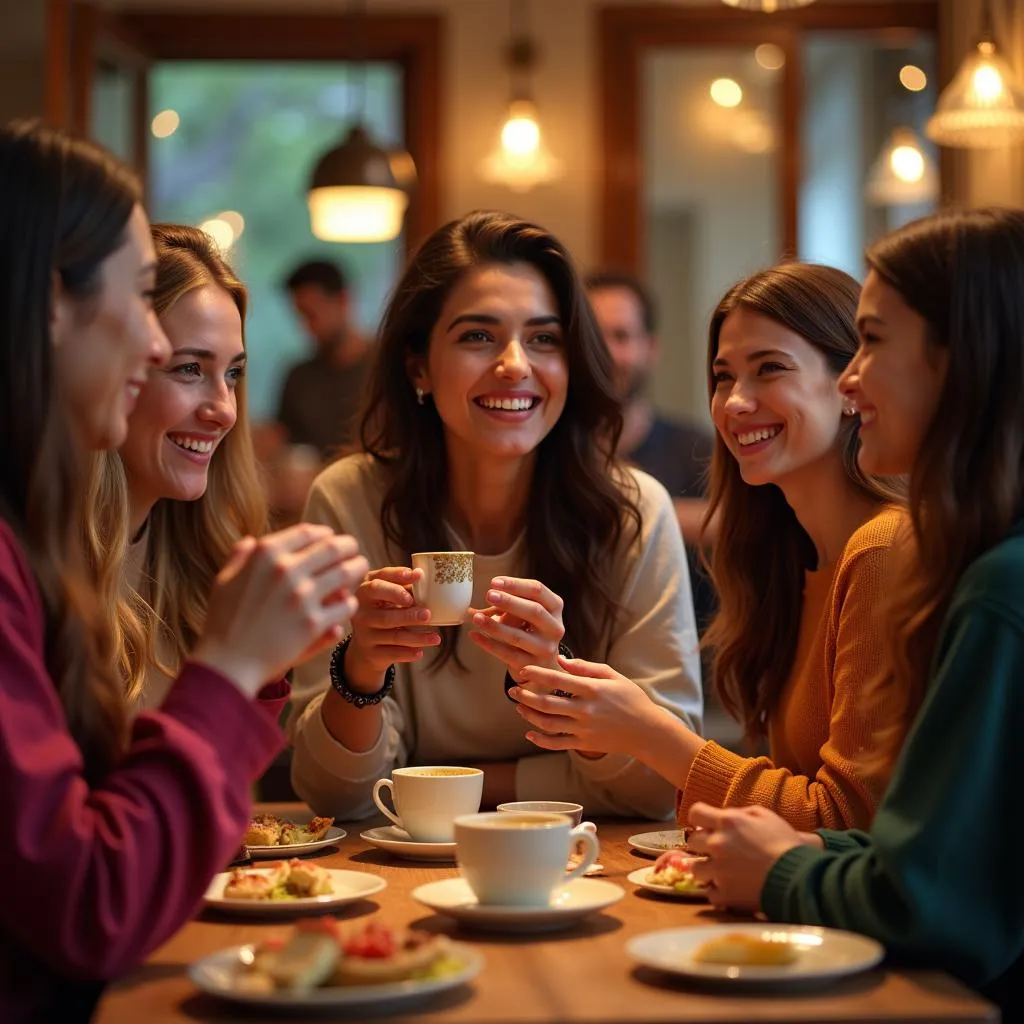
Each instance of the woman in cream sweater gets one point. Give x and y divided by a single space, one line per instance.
489 426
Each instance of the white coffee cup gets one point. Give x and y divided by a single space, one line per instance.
427 799
446 586
518 860
574 812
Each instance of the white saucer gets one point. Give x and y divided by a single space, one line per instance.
656 843
569 903
348 886
396 840
642 877
825 953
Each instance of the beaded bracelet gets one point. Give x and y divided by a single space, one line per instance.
341 685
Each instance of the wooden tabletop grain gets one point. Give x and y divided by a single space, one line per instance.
578 975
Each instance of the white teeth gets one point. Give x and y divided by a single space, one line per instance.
192 445
507 404
753 436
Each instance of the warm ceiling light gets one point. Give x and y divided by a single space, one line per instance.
768 6
234 220
165 123
770 56
353 195
913 78
903 172
220 231
984 104
726 92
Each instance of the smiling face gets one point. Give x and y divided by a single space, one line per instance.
496 367
895 380
190 405
106 345
775 404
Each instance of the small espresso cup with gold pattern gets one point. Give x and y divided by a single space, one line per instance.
446 586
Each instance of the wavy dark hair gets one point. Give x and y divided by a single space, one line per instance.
581 504
64 208
963 272
761 551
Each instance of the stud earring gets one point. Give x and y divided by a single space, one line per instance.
419 396
849 409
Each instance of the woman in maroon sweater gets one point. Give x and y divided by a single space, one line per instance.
111 831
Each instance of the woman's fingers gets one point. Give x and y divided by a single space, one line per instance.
530 643
547 680
528 612
544 703
531 590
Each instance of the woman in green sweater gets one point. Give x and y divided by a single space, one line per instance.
938 380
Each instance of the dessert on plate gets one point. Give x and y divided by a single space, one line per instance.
740 950
674 871
270 830
279 880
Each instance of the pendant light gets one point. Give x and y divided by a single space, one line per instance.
520 159
983 106
904 173
768 6
354 193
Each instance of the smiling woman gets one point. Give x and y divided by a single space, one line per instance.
489 428
183 488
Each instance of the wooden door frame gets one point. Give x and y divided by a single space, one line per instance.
625 34
413 41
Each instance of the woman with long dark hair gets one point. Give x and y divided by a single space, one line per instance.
799 564
489 427
112 829
938 380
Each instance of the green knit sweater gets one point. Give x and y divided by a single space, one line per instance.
939 879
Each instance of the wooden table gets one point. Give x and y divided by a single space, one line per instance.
578 975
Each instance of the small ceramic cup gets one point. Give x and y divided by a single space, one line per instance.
518 859
428 799
574 812
446 587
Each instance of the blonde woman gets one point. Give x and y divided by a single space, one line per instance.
183 488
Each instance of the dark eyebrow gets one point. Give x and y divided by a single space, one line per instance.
869 318
484 318
205 353
754 356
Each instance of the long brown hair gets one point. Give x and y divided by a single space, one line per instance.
761 551
581 504
188 542
963 272
64 209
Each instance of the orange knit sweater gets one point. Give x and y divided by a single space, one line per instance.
822 770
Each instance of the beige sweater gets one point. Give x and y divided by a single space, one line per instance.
457 716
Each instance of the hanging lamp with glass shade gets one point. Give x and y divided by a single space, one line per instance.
983 106
358 192
768 6
520 159
904 173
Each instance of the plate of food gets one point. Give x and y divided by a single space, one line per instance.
288 887
672 876
323 964
654 844
761 954
271 836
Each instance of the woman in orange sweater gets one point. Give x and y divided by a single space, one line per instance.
800 564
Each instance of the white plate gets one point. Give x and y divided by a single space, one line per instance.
213 975
642 877
825 953
397 841
348 886
657 843
569 903
284 852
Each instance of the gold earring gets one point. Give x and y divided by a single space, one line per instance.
849 409
419 396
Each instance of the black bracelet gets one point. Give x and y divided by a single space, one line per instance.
340 681
563 650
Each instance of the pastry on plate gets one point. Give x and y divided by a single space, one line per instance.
305 879
741 950
263 830
306 960
295 835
